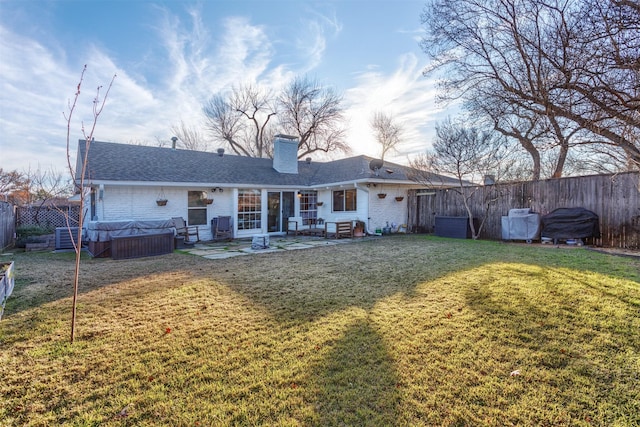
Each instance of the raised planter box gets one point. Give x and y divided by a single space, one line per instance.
7 282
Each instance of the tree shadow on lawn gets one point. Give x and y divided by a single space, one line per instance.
356 380
356 383
306 285
565 330
42 278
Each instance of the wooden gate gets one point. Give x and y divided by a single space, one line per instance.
421 206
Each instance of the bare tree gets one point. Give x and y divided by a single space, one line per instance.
45 186
387 131
567 61
249 117
79 176
314 114
189 137
243 119
14 186
466 154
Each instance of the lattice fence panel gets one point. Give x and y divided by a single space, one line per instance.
48 216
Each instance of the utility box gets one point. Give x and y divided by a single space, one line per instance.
521 224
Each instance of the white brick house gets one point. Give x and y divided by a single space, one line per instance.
125 182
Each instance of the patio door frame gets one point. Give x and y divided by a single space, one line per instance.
280 206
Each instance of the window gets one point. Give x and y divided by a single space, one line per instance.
345 200
308 206
197 208
249 209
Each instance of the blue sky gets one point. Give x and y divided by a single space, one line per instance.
171 56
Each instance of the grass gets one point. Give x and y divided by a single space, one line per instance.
406 330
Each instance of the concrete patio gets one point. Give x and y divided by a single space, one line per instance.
239 247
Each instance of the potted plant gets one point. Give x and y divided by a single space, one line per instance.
208 201
358 230
399 198
161 200
320 203
382 195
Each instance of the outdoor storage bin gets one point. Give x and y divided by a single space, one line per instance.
453 226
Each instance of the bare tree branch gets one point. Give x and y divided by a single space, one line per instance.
572 62
387 131
80 176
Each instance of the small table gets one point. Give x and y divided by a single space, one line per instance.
260 241
314 228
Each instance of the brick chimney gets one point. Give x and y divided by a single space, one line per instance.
285 154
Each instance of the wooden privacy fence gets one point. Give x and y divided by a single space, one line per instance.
614 198
7 224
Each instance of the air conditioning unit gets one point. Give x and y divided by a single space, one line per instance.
63 237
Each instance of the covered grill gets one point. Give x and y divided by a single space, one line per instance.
570 223
521 224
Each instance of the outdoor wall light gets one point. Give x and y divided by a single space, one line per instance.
214 189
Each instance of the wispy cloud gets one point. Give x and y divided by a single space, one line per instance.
38 80
31 98
406 95
317 30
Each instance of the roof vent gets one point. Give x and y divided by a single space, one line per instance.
220 152
308 160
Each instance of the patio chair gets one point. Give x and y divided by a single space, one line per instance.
188 231
294 225
224 228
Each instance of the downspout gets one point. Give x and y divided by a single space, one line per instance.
366 190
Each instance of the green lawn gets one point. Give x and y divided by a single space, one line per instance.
404 330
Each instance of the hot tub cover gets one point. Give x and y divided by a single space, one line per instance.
570 223
103 231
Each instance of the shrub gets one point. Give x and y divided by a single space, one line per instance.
31 234
32 230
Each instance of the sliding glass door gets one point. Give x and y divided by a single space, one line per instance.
281 207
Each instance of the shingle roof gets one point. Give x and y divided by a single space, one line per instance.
110 161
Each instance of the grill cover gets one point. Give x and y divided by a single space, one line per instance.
520 224
570 223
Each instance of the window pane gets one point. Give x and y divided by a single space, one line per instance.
197 208
196 199
308 206
338 200
198 216
249 209
350 202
